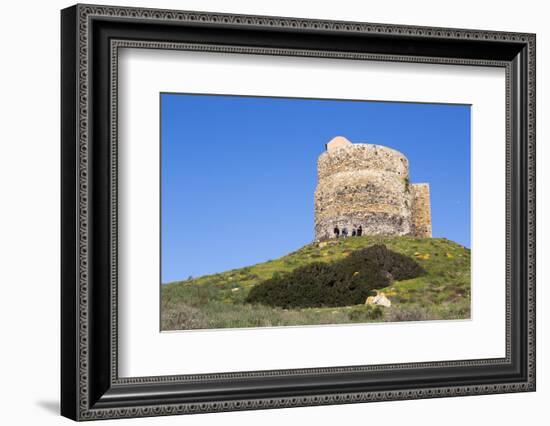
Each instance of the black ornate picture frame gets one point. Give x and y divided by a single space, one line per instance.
91 387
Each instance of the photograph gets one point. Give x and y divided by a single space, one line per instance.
281 211
264 209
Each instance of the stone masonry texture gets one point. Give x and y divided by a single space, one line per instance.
368 185
421 213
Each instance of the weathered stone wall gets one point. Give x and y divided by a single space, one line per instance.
364 185
421 210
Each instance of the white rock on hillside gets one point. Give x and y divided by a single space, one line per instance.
380 299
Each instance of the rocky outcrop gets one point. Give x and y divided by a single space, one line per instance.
380 299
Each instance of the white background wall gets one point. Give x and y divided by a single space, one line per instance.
29 211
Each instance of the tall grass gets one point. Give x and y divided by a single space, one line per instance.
218 301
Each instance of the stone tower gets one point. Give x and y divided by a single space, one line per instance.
368 185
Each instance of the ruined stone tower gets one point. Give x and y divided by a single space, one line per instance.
368 185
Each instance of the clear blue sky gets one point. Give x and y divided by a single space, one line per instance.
238 173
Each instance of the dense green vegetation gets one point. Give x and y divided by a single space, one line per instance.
220 300
344 282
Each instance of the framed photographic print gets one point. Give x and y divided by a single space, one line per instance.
263 212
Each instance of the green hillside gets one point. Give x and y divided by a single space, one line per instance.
219 300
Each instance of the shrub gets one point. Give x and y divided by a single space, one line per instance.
369 313
410 313
341 283
182 317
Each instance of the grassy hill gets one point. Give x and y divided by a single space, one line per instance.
218 301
